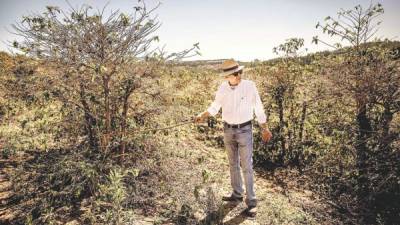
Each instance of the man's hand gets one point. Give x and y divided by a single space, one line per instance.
266 135
201 118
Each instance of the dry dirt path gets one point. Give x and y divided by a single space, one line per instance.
195 166
281 202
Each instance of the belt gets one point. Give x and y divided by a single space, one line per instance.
237 125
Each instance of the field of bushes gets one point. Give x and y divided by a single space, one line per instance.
96 130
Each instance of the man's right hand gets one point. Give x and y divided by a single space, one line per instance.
201 118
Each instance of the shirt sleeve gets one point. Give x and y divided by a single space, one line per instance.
258 107
217 103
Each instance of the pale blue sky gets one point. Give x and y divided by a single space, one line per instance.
244 30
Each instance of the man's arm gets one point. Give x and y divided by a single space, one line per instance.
213 109
259 108
266 134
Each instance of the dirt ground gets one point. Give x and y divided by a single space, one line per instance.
198 176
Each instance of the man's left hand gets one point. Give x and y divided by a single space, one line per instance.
266 135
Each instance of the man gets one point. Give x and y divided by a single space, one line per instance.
238 99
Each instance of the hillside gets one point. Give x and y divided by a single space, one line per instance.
178 175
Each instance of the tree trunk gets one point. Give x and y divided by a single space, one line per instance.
303 119
90 120
123 123
364 133
279 100
386 139
107 113
128 91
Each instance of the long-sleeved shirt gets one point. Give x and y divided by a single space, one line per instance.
238 104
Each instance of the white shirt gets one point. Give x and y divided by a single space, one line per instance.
238 104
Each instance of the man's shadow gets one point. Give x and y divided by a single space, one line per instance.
238 219
217 217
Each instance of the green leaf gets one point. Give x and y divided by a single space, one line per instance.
15 44
196 192
135 172
103 69
315 40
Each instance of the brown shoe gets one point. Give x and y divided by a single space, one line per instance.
251 211
232 199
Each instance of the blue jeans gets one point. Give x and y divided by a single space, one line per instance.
239 146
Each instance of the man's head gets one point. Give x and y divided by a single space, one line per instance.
234 78
231 71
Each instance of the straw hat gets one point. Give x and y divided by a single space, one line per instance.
229 67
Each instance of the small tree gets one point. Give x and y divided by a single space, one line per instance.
96 63
370 76
286 104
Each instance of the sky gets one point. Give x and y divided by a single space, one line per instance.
239 29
